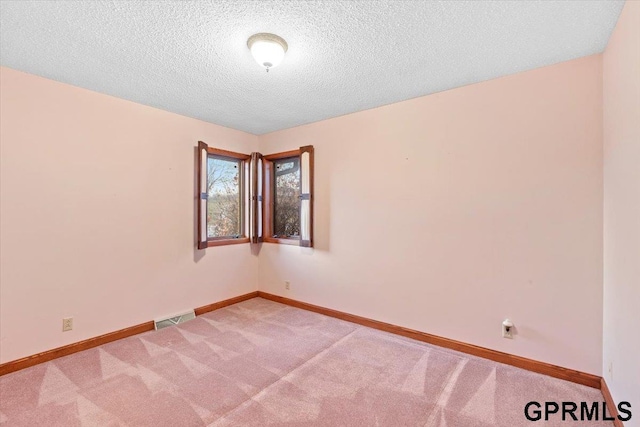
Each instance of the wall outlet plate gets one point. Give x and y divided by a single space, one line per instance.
287 285
507 329
507 332
67 324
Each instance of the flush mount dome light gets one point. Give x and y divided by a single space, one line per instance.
267 49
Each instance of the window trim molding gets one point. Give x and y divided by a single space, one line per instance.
223 240
247 204
256 184
308 149
269 197
225 153
282 240
283 155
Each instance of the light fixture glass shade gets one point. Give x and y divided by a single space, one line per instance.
267 49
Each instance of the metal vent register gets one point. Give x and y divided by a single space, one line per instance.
174 320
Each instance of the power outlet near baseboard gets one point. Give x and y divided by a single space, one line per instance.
67 324
507 329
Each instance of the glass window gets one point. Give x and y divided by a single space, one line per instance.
286 207
224 207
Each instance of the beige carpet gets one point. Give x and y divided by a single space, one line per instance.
260 363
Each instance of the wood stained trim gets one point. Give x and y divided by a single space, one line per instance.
253 198
282 241
55 353
225 153
283 155
611 404
217 305
267 199
224 242
309 149
497 356
198 208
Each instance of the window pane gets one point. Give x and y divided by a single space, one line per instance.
286 221
223 192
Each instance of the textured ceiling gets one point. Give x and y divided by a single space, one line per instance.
344 56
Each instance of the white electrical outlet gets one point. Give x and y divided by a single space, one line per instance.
507 329
67 324
287 285
610 370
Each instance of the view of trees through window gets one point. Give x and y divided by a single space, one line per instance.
286 221
223 197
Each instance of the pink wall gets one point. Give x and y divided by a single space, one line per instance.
445 213
450 212
97 206
621 91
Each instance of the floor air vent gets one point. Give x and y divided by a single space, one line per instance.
174 320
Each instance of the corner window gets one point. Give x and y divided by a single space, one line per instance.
253 198
222 197
286 198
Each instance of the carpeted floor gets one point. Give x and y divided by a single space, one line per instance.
260 363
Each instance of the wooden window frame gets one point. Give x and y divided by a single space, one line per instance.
255 197
244 158
268 191
249 216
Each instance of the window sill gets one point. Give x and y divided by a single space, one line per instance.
223 242
282 241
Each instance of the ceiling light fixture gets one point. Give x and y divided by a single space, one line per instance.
267 49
